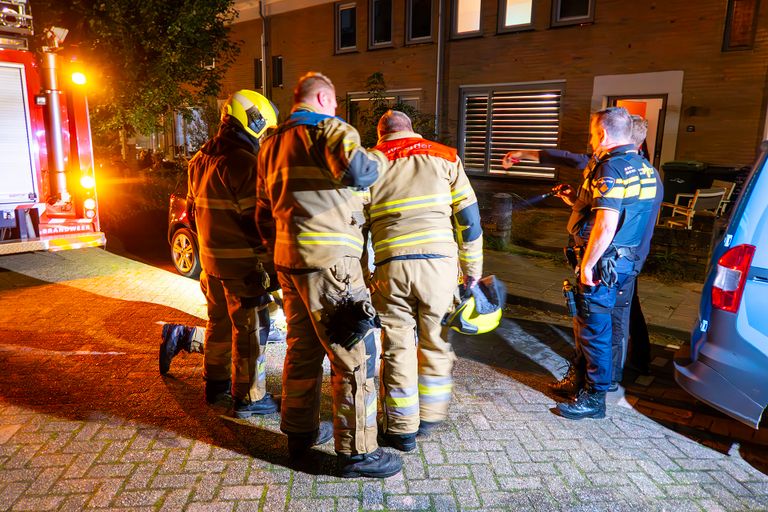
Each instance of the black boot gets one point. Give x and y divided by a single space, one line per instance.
300 443
588 404
377 464
570 384
402 442
217 391
175 339
426 427
245 408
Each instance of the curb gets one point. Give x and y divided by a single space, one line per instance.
518 300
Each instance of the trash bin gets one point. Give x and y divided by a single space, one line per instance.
681 177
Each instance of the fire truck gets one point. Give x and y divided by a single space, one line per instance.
47 182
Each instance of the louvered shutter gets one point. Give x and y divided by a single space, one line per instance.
475 132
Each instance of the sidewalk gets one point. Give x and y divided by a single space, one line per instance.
536 281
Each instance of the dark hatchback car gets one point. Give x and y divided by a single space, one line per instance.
181 237
728 362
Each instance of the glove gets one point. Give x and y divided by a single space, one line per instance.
350 322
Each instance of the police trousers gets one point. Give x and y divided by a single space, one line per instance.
593 326
411 297
235 336
306 297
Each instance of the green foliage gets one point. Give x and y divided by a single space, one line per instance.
376 88
147 58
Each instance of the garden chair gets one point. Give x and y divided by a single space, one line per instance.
702 202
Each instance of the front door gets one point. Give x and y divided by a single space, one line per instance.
654 110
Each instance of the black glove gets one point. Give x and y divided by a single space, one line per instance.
350 322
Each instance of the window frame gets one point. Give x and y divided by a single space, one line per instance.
535 171
338 8
501 28
372 45
728 45
409 39
573 20
455 34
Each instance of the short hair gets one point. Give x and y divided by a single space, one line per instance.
310 84
394 121
615 121
639 129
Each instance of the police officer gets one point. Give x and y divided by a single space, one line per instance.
610 213
311 222
220 202
420 197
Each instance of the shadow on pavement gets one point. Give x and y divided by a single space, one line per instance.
72 354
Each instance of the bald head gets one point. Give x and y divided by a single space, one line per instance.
393 121
317 90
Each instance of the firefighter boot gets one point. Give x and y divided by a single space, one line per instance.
246 408
570 384
377 464
426 427
588 404
299 444
218 391
401 442
175 339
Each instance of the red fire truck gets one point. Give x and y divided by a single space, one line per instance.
47 181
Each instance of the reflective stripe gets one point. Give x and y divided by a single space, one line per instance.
435 389
318 238
261 368
615 193
434 235
627 181
409 203
646 181
470 255
215 204
245 252
370 409
648 193
247 203
632 191
460 194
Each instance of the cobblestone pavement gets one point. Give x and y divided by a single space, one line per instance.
86 421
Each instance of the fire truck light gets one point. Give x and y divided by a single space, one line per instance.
87 181
90 214
79 78
89 204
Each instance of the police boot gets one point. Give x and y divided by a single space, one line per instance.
300 443
570 384
588 404
426 427
245 408
218 391
402 442
175 339
377 464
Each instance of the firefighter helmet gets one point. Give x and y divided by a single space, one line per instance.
253 112
480 310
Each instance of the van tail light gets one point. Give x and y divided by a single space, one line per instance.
732 269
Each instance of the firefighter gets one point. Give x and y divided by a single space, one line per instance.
311 222
422 205
609 216
221 202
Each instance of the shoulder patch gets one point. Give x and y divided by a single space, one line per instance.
604 184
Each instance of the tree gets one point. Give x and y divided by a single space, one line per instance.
151 57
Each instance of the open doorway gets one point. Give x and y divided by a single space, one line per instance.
653 109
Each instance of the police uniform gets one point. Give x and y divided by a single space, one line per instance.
222 183
422 204
622 181
312 224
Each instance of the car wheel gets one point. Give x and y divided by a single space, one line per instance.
184 252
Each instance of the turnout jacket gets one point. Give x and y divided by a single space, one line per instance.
423 205
220 202
307 213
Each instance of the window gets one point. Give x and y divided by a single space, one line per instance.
362 109
572 12
346 28
258 76
740 25
418 21
380 23
515 14
277 71
499 119
466 18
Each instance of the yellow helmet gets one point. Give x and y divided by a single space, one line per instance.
254 112
481 310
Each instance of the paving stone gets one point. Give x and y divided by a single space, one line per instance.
408 502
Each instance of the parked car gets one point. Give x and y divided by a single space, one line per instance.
727 366
181 237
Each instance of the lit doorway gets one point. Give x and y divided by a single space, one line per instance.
654 110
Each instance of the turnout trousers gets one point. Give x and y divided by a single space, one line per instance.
411 297
306 296
235 336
